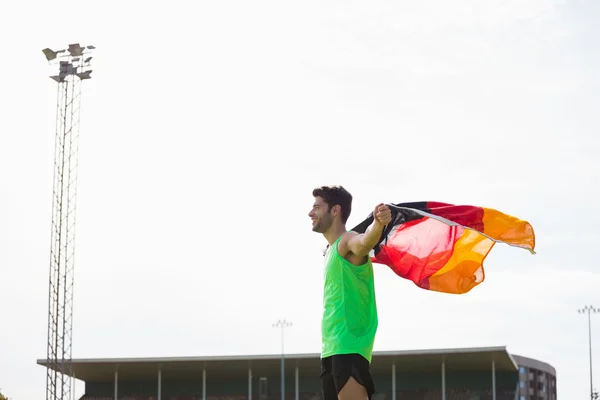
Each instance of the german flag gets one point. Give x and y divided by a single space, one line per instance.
441 247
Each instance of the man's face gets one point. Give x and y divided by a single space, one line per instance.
321 216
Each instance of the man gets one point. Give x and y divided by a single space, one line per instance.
350 312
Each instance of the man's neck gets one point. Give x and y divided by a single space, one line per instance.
334 233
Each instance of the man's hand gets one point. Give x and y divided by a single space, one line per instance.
382 215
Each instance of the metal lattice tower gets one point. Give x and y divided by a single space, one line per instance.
73 68
589 310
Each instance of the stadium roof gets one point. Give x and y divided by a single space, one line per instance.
221 367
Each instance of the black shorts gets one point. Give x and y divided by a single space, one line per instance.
337 369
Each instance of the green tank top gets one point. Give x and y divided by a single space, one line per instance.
349 308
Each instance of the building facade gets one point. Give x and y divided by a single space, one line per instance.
440 374
537 379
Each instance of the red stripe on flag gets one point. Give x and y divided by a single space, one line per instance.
417 249
469 216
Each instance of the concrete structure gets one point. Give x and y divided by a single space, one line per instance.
537 380
444 374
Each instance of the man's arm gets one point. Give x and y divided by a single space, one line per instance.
362 244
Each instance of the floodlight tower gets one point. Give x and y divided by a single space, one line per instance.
282 324
589 310
73 67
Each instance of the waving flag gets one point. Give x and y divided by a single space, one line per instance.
441 247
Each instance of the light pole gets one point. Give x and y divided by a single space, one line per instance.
71 66
589 310
282 324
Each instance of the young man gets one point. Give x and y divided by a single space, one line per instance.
350 311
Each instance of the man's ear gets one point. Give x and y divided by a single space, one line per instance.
336 210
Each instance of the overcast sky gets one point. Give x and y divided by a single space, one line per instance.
207 124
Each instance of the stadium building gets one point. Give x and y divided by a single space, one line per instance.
537 380
448 374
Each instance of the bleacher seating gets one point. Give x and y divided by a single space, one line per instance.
451 394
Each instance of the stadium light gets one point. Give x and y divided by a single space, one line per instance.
51 54
75 50
68 72
282 324
589 310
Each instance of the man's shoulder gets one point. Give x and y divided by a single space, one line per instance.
347 236
342 246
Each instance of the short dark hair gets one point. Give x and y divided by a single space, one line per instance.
334 196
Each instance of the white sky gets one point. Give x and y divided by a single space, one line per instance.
207 124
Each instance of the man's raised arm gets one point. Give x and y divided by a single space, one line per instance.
362 244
